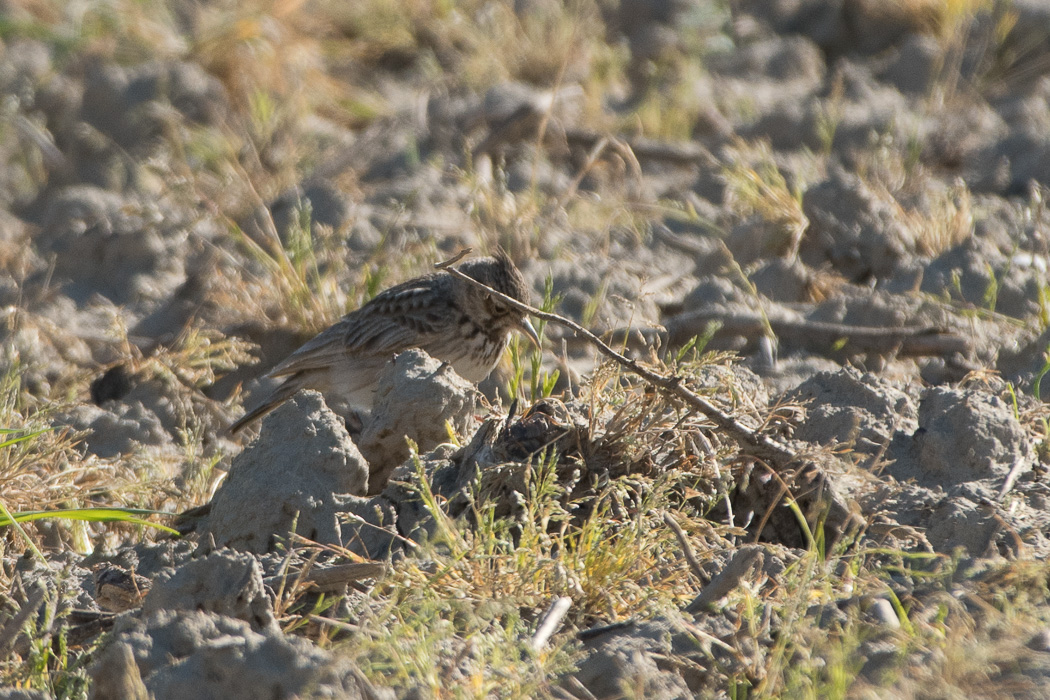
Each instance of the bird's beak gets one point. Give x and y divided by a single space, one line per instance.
525 327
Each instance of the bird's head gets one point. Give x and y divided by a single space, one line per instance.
500 273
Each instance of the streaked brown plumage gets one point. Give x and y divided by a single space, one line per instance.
449 318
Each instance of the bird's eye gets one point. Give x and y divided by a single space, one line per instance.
495 308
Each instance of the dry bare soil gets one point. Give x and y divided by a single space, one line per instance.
816 231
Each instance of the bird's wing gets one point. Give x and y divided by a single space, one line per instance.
401 317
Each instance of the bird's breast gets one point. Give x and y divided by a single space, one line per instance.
472 351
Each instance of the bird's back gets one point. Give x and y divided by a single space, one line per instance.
408 315
449 319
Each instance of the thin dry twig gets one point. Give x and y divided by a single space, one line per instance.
1016 469
907 341
361 521
705 636
742 561
579 690
337 624
760 445
687 549
333 578
685 153
820 338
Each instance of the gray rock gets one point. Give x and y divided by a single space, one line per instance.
906 505
867 111
610 282
121 102
415 398
965 435
820 20
443 476
783 59
981 275
365 236
652 26
206 656
628 661
838 26
117 676
1023 156
966 138
224 582
13 235
881 612
784 280
188 304
26 62
296 472
173 403
880 656
370 526
917 64
852 228
1022 365
959 522
969 515
755 238
126 249
846 406
150 558
662 658
328 206
119 428
634 14
789 124
22 694
717 290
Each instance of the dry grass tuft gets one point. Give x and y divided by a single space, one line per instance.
756 187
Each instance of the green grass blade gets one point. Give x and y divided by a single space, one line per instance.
6 514
20 438
98 515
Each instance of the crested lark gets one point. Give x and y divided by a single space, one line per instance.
447 317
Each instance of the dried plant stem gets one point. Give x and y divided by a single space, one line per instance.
757 444
687 549
738 566
334 578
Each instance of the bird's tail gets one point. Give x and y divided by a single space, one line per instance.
281 394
